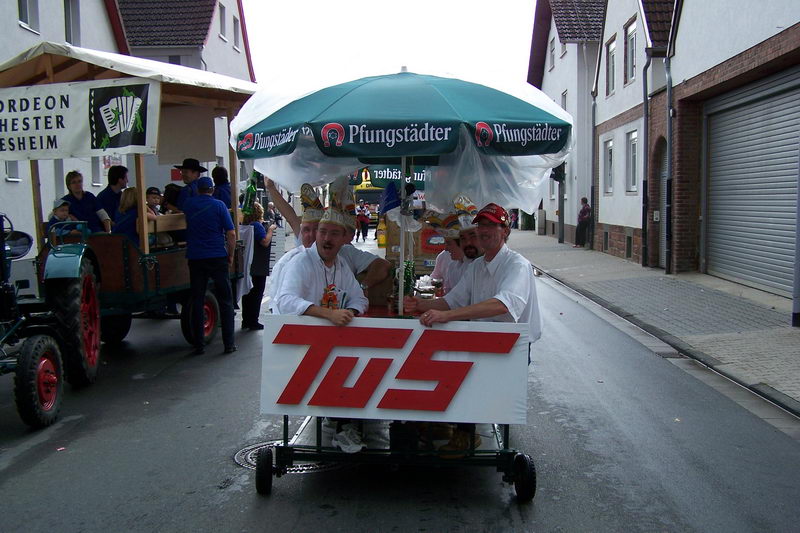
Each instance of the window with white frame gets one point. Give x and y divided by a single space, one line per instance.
564 100
236 31
608 166
563 48
12 171
611 53
97 172
552 188
631 158
630 52
222 21
552 52
29 13
72 22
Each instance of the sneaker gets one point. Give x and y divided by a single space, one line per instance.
348 440
458 445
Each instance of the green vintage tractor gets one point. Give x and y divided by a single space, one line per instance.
44 341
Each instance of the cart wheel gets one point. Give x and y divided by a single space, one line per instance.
76 305
210 319
114 328
264 471
524 477
38 384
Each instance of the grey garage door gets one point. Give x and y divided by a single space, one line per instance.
753 144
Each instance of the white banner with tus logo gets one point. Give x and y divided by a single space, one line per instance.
81 119
394 369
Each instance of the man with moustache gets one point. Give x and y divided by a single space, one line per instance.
461 243
317 282
307 232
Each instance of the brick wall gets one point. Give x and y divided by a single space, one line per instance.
618 241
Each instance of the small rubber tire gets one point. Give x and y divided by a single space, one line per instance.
264 471
39 381
114 328
211 319
524 477
76 304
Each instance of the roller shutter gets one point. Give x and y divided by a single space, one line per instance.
753 144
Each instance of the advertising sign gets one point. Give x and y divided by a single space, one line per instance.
395 369
81 119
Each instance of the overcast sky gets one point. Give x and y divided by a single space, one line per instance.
296 40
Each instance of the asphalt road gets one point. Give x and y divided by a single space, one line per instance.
623 440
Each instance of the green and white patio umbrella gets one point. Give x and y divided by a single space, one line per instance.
493 145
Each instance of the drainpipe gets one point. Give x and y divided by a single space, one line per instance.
595 201
796 288
646 151
668 214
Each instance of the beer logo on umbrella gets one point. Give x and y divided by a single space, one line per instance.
333 132
483 134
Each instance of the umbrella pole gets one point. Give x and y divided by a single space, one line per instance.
401 269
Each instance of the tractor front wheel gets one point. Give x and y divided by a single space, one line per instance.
38 383
210 319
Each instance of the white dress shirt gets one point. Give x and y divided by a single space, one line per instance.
276 277
305 278
449 271
509 278
357 260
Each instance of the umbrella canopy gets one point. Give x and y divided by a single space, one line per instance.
491 144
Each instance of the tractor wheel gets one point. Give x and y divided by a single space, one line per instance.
210 319
76 305
114 328
38 384
524 477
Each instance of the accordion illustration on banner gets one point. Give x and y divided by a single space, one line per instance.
119 114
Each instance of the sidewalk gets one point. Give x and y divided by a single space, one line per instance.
742 333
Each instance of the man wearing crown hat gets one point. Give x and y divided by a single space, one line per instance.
305 232
461 242
499 287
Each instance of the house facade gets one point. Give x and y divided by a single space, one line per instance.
730 145
105 25
566 37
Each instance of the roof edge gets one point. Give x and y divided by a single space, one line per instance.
246 42
543 15
115 18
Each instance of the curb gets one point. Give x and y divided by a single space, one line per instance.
765 391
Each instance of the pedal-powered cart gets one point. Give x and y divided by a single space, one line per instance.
401 383
493 144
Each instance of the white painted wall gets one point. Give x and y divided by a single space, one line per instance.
621 207
712 32
572 72
625 96
190 56
220 53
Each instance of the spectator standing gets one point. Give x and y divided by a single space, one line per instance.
584 218
259 267
211 243
109 197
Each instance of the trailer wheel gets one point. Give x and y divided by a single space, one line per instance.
210 319
264 471
114 328
524 477
76 305
38 383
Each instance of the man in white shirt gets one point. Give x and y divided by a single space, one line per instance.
461 243
319 283
499 287
306 229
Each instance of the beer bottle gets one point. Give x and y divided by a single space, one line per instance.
250 194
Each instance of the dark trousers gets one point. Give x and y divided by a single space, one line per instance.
251 302
200 271
363 228
581 231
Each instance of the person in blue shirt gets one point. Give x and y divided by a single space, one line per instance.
259 267
110 196
210 245
128 215
61 214
190 172
222 187
83 205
